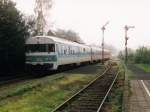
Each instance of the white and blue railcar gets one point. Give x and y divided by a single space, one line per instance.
50 52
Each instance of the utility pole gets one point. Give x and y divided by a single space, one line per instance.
126 42
103 29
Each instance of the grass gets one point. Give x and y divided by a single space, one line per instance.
145 67
114 101
129 74
115 97
43 95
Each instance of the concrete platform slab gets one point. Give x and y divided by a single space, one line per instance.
140 100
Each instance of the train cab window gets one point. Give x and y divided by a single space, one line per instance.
35 47
40 48
51 48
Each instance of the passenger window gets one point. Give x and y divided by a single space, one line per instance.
83 49
64 51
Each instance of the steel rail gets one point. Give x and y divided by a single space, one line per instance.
108 92
80 90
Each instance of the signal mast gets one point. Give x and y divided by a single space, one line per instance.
126 42
103 29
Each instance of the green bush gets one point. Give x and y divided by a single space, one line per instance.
141 55
13 32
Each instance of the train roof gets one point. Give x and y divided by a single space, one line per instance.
99 48
51 39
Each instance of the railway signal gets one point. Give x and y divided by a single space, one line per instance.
103 29
126 41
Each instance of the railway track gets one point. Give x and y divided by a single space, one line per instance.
92 97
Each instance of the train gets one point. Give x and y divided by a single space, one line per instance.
49 52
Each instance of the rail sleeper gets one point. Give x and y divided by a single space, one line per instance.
91 97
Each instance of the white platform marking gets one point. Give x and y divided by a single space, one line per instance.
145 87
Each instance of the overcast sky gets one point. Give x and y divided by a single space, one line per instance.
87 17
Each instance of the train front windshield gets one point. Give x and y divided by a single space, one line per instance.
40 48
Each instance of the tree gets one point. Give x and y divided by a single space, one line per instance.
142 55
42 8
31 24
131 55
13 32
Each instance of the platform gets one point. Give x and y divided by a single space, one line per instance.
140 98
